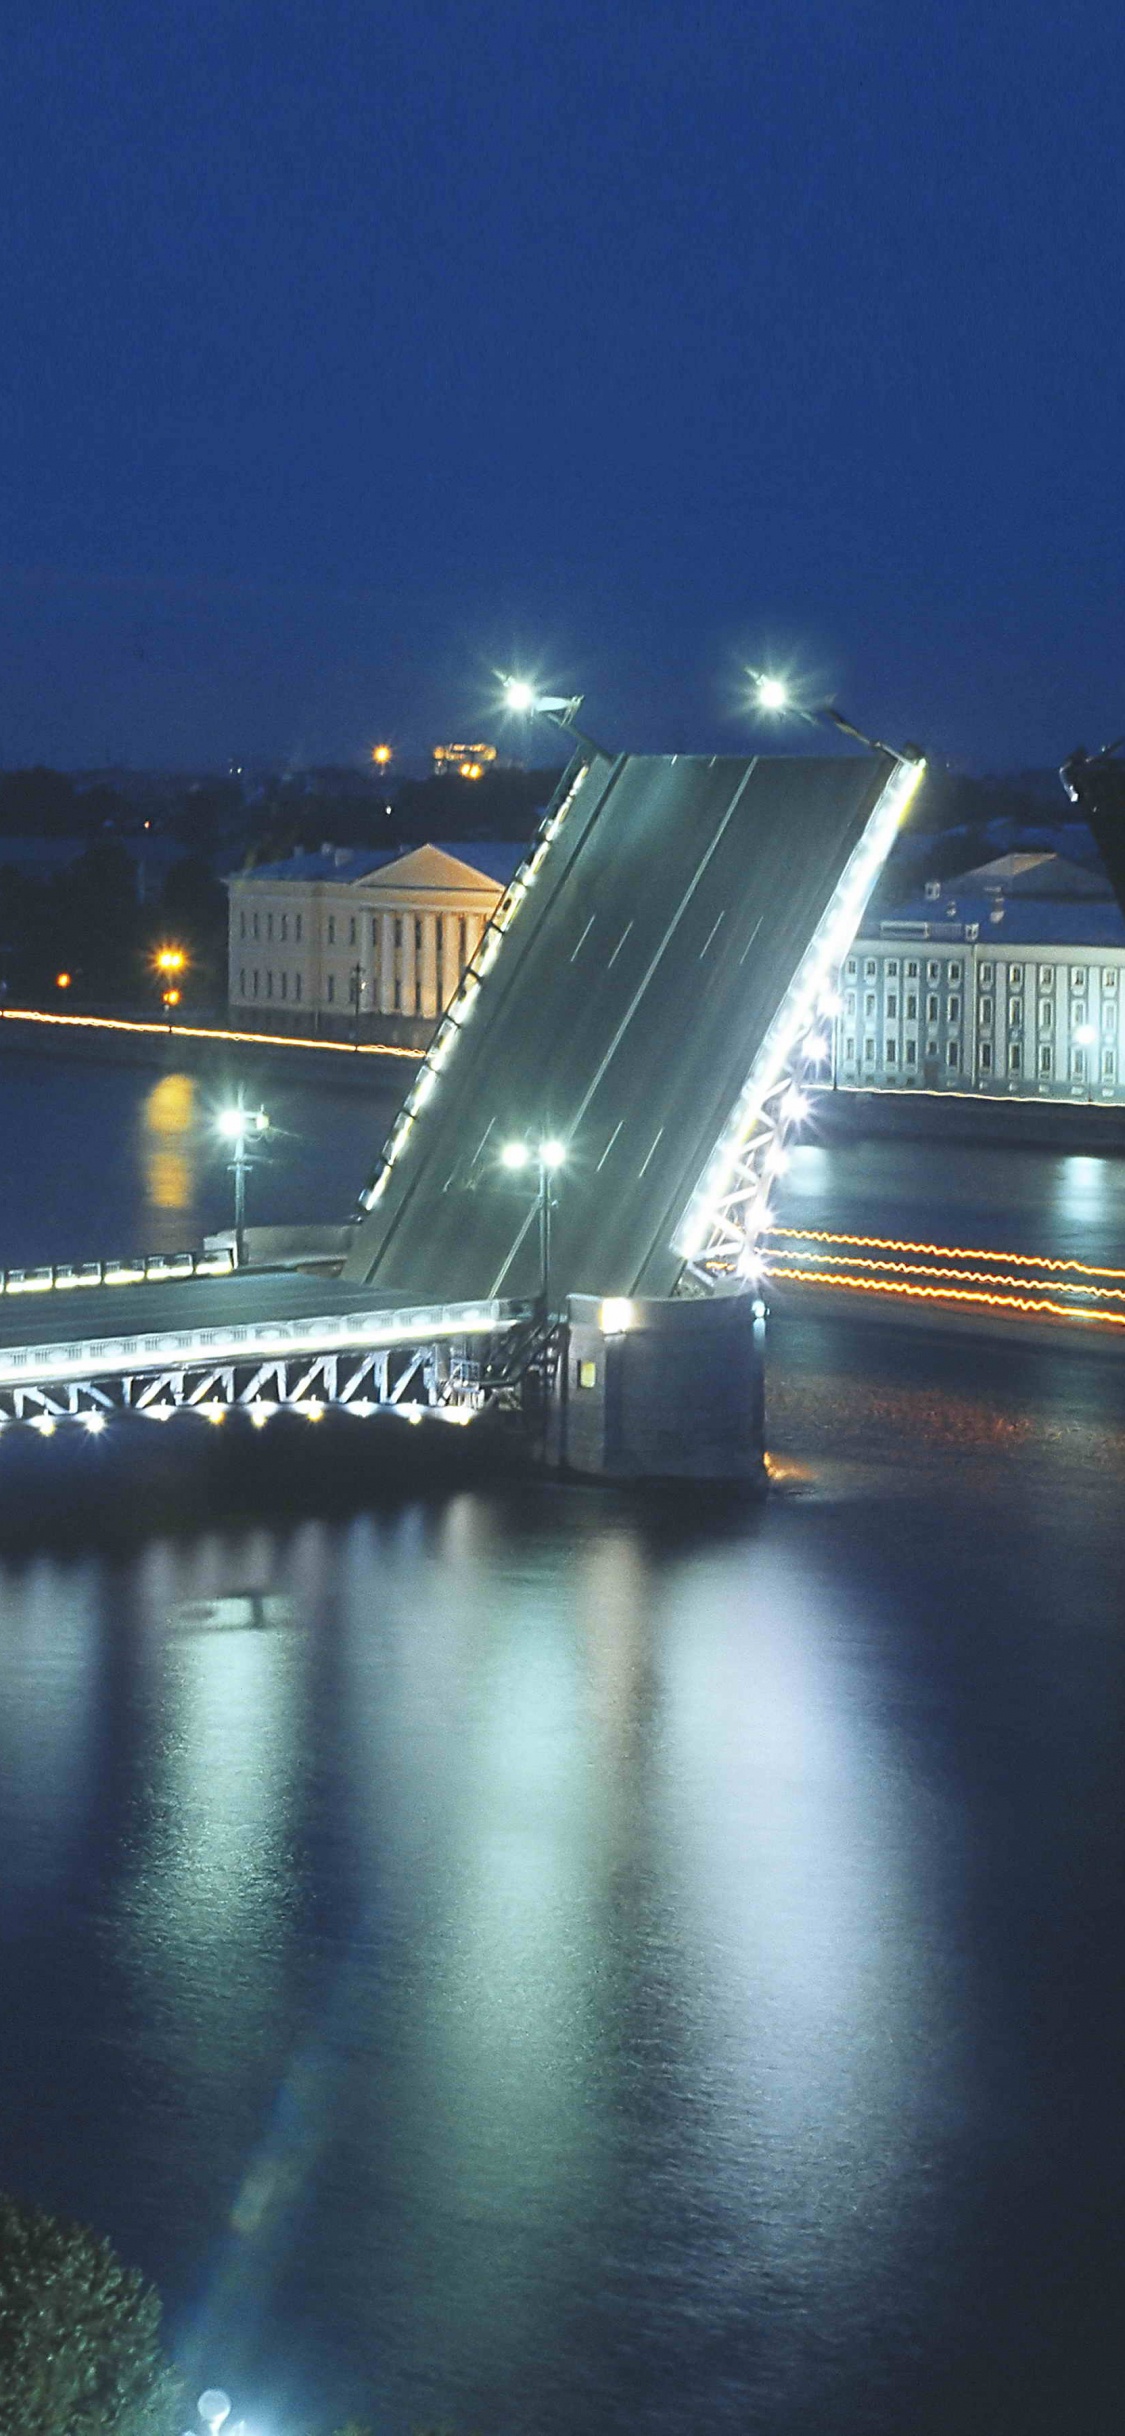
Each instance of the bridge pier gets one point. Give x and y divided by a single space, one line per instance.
660 1390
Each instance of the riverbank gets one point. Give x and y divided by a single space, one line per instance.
204 1049
952 1116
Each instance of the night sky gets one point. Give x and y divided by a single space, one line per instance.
351 351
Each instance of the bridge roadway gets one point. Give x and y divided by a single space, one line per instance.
672 908
234 1339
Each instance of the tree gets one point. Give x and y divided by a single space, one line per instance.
80 2352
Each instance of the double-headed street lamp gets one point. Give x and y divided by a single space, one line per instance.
240 1126
546 1158
170 964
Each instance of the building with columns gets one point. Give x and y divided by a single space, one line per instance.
315 937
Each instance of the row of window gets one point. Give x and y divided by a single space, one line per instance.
458 929
289 988
1080 1069
986 1010
939 969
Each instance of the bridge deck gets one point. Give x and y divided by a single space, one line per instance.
623 1015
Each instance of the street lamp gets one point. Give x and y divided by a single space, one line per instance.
240 1126
525 699
546 1157
169 964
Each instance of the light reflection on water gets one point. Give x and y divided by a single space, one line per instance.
531 1978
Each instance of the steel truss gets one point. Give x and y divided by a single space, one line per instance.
436 1375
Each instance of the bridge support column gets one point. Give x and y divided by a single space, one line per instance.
668 1390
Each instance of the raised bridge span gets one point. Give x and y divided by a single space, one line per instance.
641 996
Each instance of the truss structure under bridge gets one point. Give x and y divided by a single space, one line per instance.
446 1357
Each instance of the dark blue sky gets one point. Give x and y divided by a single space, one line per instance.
350 350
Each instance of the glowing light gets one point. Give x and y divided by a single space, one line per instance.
261 1040
169 960
171 998
515 1154
44 1425
615 1316
519 695
382 755
214 2408
941 1251
236 1123
1085 1033
552 1154
816 1047
944 1294
313 1412
62 981
773 694
95 1423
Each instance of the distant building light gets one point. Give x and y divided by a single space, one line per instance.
468 760
62 981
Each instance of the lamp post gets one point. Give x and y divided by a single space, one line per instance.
169 964
546 1158
356 995
240 1126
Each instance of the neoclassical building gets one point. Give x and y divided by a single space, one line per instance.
1008 980
315 937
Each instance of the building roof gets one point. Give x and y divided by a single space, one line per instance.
1039 874
488 858
1000 920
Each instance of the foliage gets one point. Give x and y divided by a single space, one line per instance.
80 2351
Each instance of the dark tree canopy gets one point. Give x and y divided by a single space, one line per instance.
80 2350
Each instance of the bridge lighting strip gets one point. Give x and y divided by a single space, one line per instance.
699 1228
241 1344
462 1007
191 1031
941 1251
949 1294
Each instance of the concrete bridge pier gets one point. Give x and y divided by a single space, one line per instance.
660 1390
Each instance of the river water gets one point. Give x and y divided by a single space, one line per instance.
558 1961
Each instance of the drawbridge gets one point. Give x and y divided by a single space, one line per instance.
647 996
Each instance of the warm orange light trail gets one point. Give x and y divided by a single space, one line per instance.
189 1031
938 1251
971 1277
944 1294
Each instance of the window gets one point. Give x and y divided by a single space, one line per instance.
332 930
870 969
465 942
953 1052
1078 976
374 930
892 1005
330 989
954 976
1109 1019
1078 1066
1015 976
242 923
985 1010
1046 1058
1015 1058
911 1053
269 926
297 985
892 1053
869 1003
1015 1013
912 972
285 985
285 926
417 997
398 995
986 1057
849 968
849 1050
242 983
255 926
1046 1014
931 1010
1109 1065
351 932
912 1008
417 934
269 985
891 968
849 1003
255 981
1109 977
986 976
398 930
869 1051
954 1015
296 926
439 932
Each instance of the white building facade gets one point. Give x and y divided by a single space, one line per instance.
991 984
322 938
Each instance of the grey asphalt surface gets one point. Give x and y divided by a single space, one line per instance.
623 1015
80 1314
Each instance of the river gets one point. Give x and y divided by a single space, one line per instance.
593 1962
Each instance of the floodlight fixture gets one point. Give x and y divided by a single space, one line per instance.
552 1154
773 693
519 695
515 1154
524 698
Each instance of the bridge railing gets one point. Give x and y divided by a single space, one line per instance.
143 1268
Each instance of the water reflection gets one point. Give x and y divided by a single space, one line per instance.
168 1123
